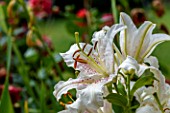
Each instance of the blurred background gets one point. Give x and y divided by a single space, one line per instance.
38 30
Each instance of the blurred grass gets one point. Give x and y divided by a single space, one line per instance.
165 19
56 30
162 52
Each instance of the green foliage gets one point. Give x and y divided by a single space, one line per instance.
142 81
117 109
3 24
121 88
6 104
117 99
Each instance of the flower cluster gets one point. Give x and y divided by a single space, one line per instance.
111 76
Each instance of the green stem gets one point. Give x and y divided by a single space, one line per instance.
23 72
128 93
51 55
9 50
114 11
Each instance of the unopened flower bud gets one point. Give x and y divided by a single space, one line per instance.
129 66
129 71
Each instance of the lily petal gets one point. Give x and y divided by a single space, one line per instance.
139 43
114 30
127 35
155 40
153 61
147 109
159 85
100 34
63 87
89 100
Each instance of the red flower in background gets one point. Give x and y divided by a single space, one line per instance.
41 8
81 13
14 92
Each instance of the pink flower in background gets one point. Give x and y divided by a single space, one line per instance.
107 19
81 13
41 8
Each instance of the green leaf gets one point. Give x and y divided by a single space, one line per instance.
43 99
117 99
109 87
142 81
3 24
6 104
124 3
117 109
121 88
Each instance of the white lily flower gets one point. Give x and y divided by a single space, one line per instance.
139 43
90 99
146 99
96 65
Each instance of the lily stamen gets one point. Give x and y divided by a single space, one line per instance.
75 53
90 52
84 47
95 45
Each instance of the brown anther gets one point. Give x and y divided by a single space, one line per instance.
84 47
90 52
81 61
166 109
75 63
63 104
65 95
75 52
69 102
95 45
78 59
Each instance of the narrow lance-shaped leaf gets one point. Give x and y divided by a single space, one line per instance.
146 80
6 104
3 24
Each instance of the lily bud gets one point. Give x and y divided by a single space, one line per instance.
129 66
